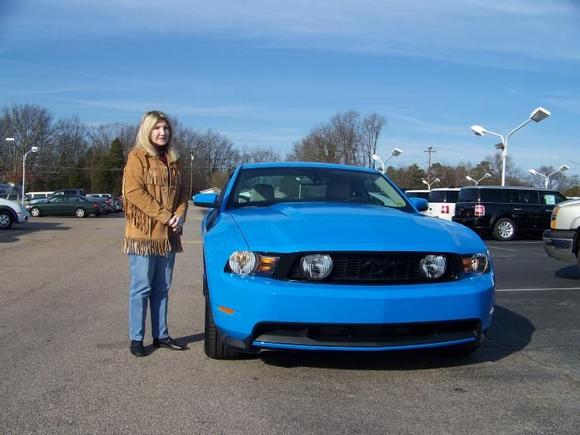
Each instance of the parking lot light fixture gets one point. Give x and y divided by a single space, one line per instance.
546 177
429 184
32 150
539 114
394 153
377 158
476 182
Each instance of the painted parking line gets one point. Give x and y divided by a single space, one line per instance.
504 249
540 289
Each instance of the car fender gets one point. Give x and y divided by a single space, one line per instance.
10 212
219 242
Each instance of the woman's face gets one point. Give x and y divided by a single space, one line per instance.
160 134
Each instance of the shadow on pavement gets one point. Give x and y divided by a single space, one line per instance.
570 272
188 339
509 333
13 234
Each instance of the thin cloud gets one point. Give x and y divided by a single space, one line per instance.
492 32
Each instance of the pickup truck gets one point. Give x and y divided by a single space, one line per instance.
562 240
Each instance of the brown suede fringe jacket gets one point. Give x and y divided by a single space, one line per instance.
152 193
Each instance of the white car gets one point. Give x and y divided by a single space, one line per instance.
442 202
12 212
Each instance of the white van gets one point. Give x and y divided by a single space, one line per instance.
442 202
37 195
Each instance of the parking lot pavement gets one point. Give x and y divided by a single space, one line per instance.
65 365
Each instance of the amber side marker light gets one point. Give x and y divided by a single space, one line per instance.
267 263
226 309
553 218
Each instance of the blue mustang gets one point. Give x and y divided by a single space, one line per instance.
317 256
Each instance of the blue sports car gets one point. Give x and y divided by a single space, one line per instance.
314 256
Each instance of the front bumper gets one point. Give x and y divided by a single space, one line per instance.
559 244
273 314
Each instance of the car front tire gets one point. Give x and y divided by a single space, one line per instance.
504 229
5 220
35 212
213 346
80 212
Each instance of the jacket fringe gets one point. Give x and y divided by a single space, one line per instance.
146 247
137 218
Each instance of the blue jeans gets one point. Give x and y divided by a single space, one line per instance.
150 281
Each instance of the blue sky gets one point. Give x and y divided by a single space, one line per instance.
265 72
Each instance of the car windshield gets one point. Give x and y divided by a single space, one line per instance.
265 186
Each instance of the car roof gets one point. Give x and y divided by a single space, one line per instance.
306 165
509 187
450 189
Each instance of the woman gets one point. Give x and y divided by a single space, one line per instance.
155 199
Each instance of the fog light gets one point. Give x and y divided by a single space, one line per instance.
433 266
316 266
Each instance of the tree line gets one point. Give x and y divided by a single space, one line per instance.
75 154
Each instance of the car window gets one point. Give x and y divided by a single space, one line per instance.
527 196
443 196
499 195
551 198
262 186
468 195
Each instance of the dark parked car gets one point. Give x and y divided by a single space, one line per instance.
60 205
506 212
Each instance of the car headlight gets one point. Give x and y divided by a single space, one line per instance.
243 262
251 263
433 266
316 266
475 264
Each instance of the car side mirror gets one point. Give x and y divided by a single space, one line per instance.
420 204
207 200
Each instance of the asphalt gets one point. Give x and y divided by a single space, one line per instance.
65 365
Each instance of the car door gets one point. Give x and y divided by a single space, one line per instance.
548 201
53 206
528 210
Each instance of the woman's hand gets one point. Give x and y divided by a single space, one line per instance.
175 223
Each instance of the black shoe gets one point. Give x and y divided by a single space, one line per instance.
169 343
137 348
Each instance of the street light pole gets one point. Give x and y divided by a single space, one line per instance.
11 139
562 168
32 150
191 176
537 115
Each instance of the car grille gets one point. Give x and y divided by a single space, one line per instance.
378 268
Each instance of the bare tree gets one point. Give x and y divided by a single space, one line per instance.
30 126
371 128
258 154
346 133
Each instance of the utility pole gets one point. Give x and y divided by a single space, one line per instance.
429 151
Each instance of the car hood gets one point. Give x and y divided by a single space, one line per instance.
344 227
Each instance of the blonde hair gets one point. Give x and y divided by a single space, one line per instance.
148 121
